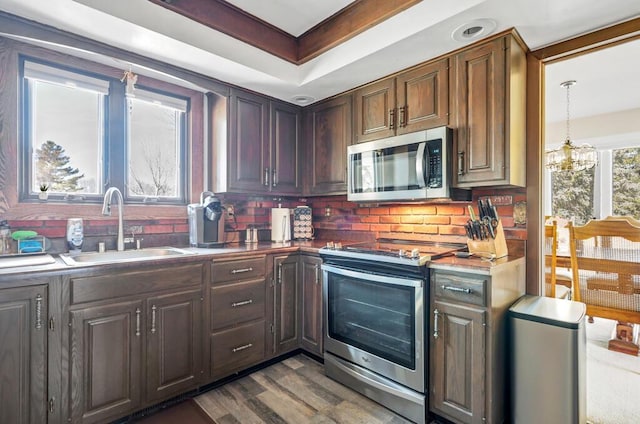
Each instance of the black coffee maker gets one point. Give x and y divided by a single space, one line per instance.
206 221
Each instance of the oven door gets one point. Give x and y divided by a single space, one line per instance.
377 322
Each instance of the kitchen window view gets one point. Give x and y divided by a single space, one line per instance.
612 187
71 138
156 131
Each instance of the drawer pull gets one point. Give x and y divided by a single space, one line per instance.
436 318
241 270
317 269
243 347
138 312
153 319
38 312
242 303
457 289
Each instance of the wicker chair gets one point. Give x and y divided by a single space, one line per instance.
552 289
605 262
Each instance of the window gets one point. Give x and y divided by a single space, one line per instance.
572 195
626 182
156 127
65 130
82 134
611 188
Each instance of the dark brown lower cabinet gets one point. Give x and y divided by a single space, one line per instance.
106 361
23 354
458 353
237 315
468 341
286 300
311 305
135 340
174 344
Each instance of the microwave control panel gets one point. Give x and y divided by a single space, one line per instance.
435 164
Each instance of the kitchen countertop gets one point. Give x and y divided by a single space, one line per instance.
473 264
450 263
241 249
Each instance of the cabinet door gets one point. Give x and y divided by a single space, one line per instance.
311 325
375 111
23 349
248 143
106 357
174 343
457 356
329 134
423 97
285 149
286 300
480 98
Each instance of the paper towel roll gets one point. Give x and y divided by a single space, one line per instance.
280 224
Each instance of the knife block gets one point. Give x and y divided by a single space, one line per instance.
496 246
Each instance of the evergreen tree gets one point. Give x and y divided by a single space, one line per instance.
53 168
573 195
626 182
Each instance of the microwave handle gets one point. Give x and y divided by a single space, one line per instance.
422 157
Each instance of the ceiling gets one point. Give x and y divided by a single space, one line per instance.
419 33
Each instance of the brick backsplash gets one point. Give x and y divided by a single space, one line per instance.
430 221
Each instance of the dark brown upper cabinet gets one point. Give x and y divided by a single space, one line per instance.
414 100
327 135
284 149
263 147
490 96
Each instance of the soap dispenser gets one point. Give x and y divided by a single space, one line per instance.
75 235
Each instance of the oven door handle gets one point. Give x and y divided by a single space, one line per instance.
406 282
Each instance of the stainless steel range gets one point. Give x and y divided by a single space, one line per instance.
375 306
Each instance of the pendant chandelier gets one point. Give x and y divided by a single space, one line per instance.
569 157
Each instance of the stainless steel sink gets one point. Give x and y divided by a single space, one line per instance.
114 256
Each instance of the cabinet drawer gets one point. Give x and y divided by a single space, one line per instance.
237 348
461 289
131 283
241 269
236 303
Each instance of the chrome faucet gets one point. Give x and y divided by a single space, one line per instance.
106 210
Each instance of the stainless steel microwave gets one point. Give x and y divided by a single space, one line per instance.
408 167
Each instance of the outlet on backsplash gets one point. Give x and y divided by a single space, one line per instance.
230 210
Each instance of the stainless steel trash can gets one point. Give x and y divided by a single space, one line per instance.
548 361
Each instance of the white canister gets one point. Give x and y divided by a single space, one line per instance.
280 225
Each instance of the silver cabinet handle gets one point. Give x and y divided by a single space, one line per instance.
457 289
274 177
38 312
242 303
243 347
280 273
460 163
138 312
266 177
392 119
153 319
241 270
436 319
317 267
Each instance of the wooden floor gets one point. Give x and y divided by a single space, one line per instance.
294 391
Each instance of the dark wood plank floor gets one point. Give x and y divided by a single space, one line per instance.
294 391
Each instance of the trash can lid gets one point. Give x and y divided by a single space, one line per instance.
548 310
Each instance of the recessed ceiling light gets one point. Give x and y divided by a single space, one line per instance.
303 100
473 30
